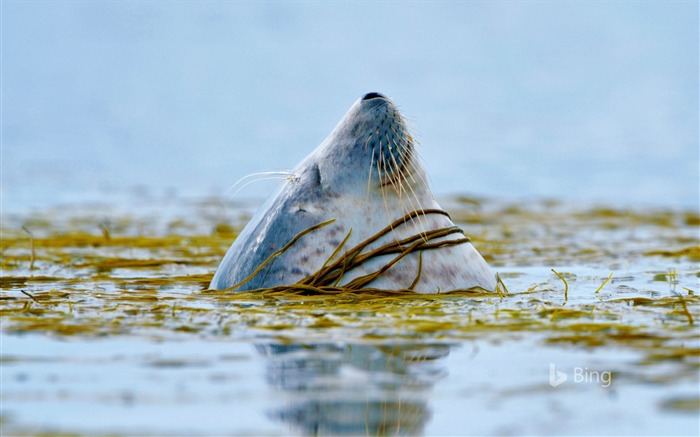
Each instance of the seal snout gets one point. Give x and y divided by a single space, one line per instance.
370 96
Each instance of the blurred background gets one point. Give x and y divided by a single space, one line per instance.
583 101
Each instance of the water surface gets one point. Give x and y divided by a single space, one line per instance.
110 331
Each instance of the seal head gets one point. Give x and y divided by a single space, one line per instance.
363 177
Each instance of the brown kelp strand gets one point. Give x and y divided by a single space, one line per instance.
337 265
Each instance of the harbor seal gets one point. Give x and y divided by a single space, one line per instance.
364 194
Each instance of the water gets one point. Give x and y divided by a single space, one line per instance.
232 388
96 343
511 100
134 118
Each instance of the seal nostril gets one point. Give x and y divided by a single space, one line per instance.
370 96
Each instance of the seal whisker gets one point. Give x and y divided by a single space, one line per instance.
381 169
397 179
416 163
371 134
404 143
400 177
401 182
369 178
409 145
391 170
413 187
232 195
257 177
412 155
415 171
420 225
371 164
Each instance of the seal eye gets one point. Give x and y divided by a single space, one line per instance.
370 96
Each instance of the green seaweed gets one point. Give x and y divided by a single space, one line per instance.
82 276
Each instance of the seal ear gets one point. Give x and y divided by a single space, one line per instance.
313 182
315 176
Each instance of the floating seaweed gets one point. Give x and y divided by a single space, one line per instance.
66 278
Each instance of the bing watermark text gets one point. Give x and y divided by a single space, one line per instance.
579 375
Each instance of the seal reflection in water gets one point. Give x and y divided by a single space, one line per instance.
356 212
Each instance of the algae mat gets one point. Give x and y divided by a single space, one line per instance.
107 329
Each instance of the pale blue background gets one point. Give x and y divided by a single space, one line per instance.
590 101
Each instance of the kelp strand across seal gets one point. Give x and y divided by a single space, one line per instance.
356 212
